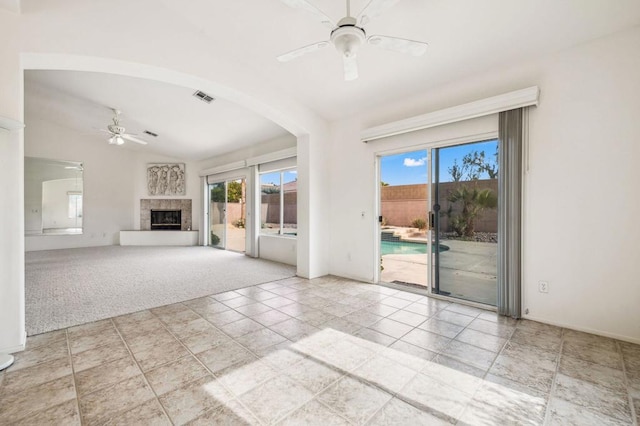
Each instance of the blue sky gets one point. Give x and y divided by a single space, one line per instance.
411 167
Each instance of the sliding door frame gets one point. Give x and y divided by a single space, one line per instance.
378 208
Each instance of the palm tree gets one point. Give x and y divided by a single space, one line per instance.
473 201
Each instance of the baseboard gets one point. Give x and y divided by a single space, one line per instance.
18 348
584 329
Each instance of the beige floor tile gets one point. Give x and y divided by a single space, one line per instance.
481 340
231 413
144 342
19 405
220 319
459 366
384 373
241 378
252 309
80 342
281 357
241 327
529 375
440 400
99 406
275 399
375 337
354 400
448 376
391 328
19 380
224 356
194 399
45 339
532 355
270 317
260 339
105 375
89 329
66 414
148 414
426 340
208 339
185 329
493 402
99 355
442 328
594 373
594 397
409 318
594 354
542 340
313 413
159 355
176 374
146 327
292 328
313 375
565 413
495 328
408 355
41 354
397 412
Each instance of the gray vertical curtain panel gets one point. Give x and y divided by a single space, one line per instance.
510 213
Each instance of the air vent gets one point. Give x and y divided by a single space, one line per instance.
147 132
203 96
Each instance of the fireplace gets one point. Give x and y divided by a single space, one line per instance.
166 220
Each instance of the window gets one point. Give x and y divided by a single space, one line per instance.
75 204
279 203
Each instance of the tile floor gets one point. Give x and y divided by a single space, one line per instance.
327 351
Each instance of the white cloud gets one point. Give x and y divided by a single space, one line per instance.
410 162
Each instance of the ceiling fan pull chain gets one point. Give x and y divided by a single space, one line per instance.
348 8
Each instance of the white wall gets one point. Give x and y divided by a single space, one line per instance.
580 221
278 249
12 332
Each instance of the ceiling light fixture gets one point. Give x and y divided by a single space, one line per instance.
116 140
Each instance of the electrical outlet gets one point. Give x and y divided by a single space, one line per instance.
543 287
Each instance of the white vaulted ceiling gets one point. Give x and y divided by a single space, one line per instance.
465 37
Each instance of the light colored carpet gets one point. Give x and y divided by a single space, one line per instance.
76 286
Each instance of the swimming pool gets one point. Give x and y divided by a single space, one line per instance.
405 247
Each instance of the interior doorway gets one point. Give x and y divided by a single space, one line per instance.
439 220
227 214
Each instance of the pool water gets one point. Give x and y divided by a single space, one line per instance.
405 247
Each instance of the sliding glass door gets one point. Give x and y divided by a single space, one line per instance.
217 214
464 206
438 220
227 215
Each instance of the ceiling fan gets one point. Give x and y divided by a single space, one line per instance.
118 132
348 35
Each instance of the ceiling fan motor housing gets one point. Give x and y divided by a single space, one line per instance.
116 129
348 37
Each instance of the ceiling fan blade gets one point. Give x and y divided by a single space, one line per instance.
350 68
302 51
132 139
374 9
402 45
311 9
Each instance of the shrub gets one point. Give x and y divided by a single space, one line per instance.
384 221
215 240
419 223
239 223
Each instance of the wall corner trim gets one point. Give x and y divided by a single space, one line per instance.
480 108
10 124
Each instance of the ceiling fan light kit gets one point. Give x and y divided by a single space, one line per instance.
119 133
348 35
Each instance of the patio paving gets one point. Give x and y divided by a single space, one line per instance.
467 270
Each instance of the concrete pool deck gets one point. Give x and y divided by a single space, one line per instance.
467 270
